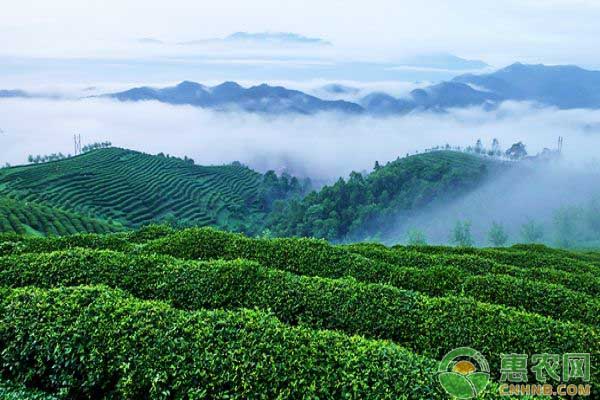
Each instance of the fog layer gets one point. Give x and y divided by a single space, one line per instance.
560 198
325 146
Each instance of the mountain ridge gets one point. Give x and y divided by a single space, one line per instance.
563 87
231 96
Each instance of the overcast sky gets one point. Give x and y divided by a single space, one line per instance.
498 31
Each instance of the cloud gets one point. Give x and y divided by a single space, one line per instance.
324 146
263 38
149 40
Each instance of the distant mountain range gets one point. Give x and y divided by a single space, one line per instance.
231 96
13 93
563 87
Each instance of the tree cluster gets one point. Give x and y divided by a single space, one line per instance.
364 205
46 158
94 146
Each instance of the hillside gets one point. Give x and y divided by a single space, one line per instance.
135 188
148 304
363 206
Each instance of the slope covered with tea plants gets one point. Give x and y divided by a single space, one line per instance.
27 217
134 188
162 313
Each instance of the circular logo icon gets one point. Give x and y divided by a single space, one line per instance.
464 373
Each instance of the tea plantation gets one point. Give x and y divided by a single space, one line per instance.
134 188
201 313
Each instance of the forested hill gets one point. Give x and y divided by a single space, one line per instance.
363 206
134 189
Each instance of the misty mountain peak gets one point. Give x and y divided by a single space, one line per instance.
189 85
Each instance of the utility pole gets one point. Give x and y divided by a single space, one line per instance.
77 143
560 144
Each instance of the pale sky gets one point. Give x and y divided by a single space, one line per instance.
496 31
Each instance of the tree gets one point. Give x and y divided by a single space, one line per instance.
266 234
566 221
377 166
497 235
461 234
593 215
496 146
517 151
478 147
532 232
416 237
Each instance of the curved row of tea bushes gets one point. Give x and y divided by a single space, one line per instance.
310 257
22 217
429 326
439 275
206 243
94 342
318 258
528 259
524 256
476 265
11 243
21 245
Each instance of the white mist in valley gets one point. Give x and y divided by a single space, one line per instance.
324 146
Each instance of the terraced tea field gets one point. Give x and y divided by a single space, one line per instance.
136 188
25 217
161 313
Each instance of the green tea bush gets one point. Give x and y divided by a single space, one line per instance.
432 276
93 342
523 256
117 242
476 265
429 326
